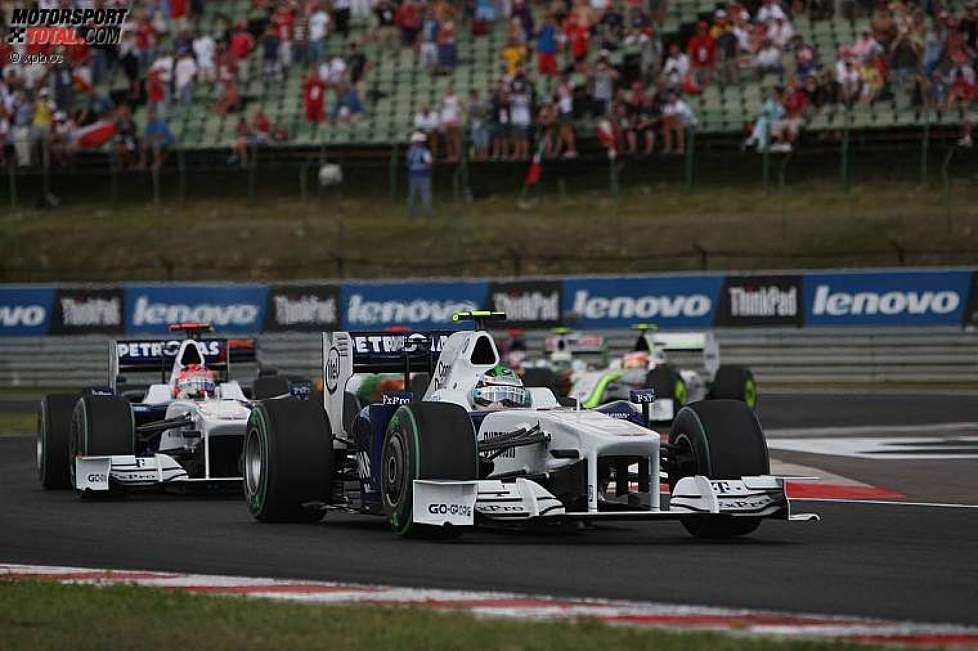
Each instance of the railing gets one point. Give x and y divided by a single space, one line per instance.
814 357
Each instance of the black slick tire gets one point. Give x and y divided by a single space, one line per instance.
101 426
53 434
734 382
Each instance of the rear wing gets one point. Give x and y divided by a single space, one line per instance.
158 355
348 353
705 342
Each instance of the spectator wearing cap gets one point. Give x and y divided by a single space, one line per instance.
426 123
419 163
701 50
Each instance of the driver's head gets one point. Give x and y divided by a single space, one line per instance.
194 382
500 387
638 359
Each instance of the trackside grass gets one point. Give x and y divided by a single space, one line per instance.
652 227
18 423
37 615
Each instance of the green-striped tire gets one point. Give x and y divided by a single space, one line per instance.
424 440
734 382
288 460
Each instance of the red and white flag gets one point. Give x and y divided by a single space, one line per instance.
94 135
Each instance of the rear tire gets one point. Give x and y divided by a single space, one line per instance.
270 386
288 460
667 383
424 440
734 382
53 435
101 426
720 439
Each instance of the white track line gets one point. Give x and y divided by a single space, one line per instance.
870 430
941 505
528 607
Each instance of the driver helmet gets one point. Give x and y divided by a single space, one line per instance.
638 359
500 387
194 382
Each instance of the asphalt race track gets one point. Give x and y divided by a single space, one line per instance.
896 561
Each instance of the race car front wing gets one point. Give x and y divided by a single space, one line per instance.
101 473
463 503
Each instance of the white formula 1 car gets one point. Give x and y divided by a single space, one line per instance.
578 366
441 462
186 430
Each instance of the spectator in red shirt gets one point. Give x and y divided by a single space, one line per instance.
242 42
408 18
701 50
796 108
155 92
579 39
313 97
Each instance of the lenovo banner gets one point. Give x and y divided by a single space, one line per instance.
25 311
527 304
886 298
760 301
667 301
88 311
231 309
429 305
311 308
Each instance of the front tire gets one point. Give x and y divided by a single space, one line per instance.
53 440
719 439
734 382
100 426
288 460
424 440
667 383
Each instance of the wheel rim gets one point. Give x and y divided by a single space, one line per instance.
40 444
253 460
750 393
683 459
679 392
393 470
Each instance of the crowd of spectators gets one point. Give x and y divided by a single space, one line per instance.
564 63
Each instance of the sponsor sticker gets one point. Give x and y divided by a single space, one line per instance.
667 301
229 308
25 312
891 299
760 301
309 307
531 304
88 311
417 305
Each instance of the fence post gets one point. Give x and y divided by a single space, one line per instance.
844 163
766 156
252 169
704 256
114 178
12 174
182 169
690 144
613 173
924 148
155 174
46 168
303 182
946 177
393 173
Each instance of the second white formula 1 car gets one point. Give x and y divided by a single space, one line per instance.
478 448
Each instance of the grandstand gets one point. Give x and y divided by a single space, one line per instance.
396 86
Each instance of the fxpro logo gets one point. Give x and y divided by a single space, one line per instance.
146 312
14 316
763 301
304 310
641 307
528 306
364 312
891 303
87 312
